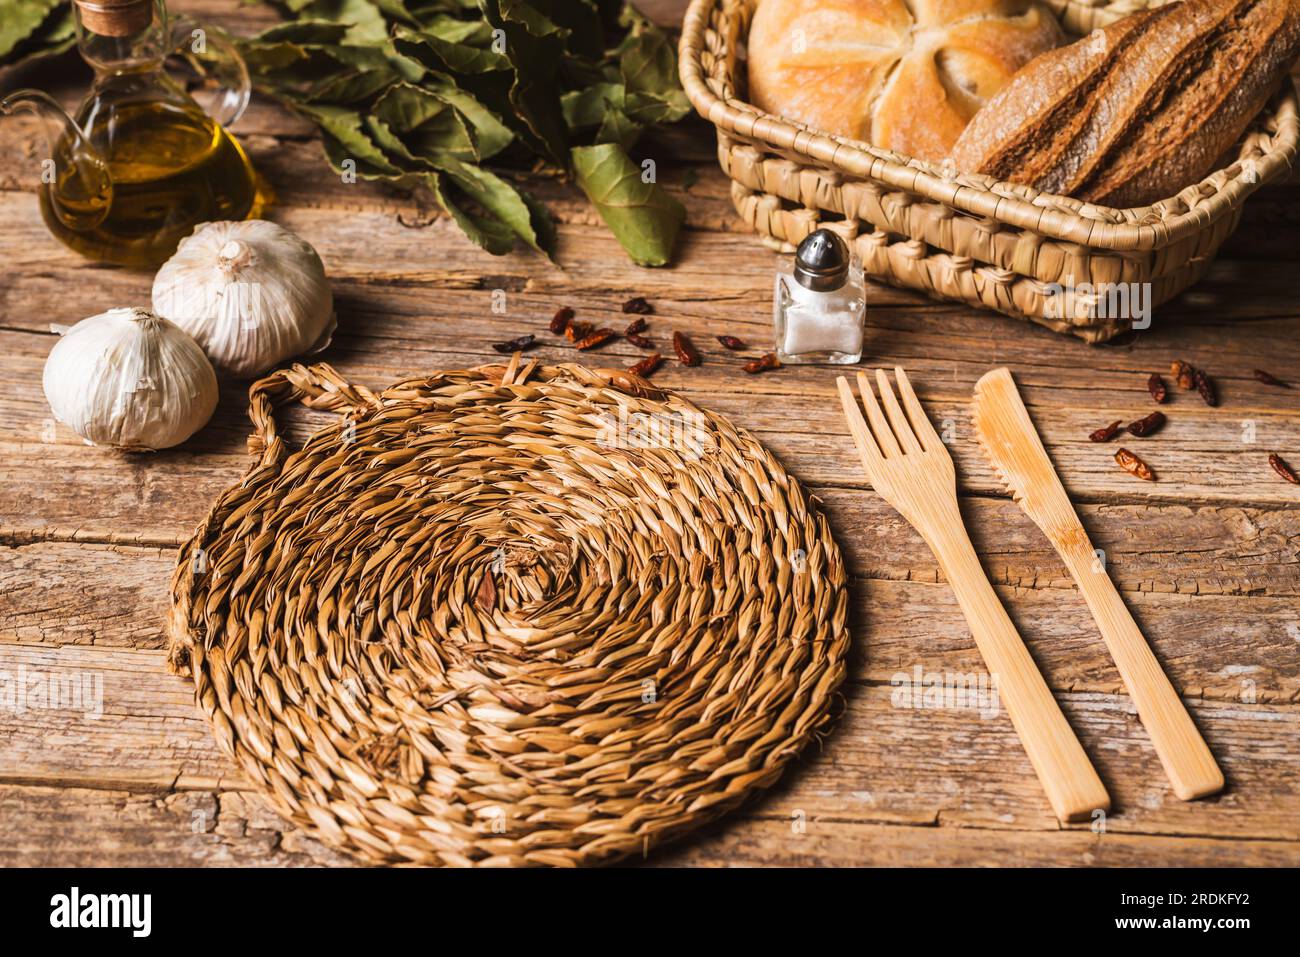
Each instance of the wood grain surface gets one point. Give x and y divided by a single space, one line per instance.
1207 558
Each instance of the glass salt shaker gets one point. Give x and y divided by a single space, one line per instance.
819 304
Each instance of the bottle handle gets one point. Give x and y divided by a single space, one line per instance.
219 65
74 175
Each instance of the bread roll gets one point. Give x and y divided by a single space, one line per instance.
905 75
1139 110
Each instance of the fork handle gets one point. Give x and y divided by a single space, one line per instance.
1067 775
1186 757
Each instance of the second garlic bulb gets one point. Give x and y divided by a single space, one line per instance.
252 294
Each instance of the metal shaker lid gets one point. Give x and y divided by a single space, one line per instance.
821 263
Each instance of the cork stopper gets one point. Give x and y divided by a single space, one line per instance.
115 18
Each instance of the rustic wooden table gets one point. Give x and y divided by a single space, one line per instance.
1208 558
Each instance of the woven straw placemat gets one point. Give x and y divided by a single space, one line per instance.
509 615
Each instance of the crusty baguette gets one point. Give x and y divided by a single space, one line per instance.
1137 111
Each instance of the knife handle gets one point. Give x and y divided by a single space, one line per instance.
1186 757
1072 785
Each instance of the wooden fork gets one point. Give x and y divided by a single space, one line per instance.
911 469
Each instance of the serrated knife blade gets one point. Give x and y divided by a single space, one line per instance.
1012 444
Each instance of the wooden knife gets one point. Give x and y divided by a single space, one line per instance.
1011 442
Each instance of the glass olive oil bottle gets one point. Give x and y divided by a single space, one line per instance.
141 164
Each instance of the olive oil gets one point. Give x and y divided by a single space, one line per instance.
141 165
171 167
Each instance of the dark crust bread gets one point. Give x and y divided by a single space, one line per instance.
1135 112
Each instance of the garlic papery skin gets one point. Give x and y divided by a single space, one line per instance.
251 293
130 379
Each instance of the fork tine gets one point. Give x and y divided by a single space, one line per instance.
921 423
902 430
871 458
884 435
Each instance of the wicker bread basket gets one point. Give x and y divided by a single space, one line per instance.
960 236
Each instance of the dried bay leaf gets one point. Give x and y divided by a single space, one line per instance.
366 24
298 66
534 46
491 234
529 221
22 19
490 133
647 61
303 31
420 93
619 128
352 87
644 92
35 29
456 56
397 10
651 108
583 22
456 29
586 108
510 213
427 124
641 215
274 63
362 57
543 223
484 75
391 143
345 139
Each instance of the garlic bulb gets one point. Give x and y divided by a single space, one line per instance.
252 294
130 379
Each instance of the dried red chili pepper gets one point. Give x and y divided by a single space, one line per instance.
646 366
768 361
632 385
486 597
597 338
687 354
1205 387
1156 386
638 305
635 326
560 321
1133 465
1147 424
1183 374
641 342
732 343
1106 433
1269 379
519 344
1282 469
577 329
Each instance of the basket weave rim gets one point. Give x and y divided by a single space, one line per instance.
330 610
1145 227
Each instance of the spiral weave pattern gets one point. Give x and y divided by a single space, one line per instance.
509 616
